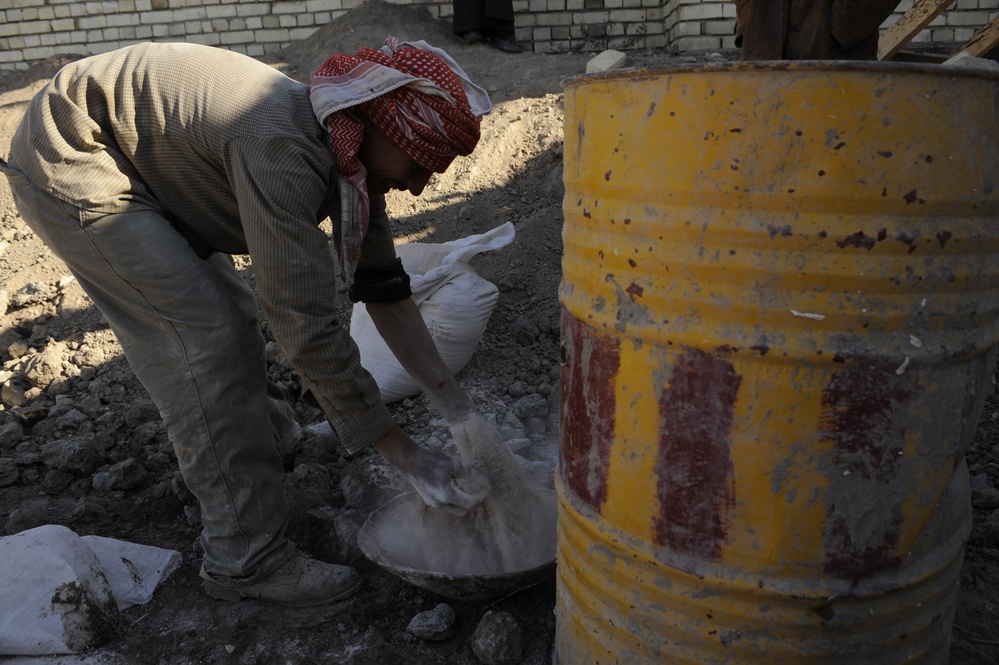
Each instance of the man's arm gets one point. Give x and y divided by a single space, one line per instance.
404 331
440 479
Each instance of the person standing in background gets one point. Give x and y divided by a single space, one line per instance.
486 21
810 29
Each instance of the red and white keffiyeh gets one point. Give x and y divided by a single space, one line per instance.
415 94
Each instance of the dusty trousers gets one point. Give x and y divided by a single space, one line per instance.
190 331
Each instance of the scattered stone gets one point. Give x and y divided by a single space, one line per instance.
965 59
309 486
988 531
985 498
30 294
62 510
11 434
45 368
433 625
498 639
536 426
525 332
126 475
141 412
192 515
17 349
14 391
517 389
77 454
180 490
29 414
56 482
88 356
606 61
531 406
369 482
8 472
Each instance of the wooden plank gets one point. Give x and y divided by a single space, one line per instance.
909 25
983 41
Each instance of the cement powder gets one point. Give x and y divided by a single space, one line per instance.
512 530
515 523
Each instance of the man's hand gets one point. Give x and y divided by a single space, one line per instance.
440 479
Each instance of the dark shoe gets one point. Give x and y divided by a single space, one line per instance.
472 37
505 44
299 582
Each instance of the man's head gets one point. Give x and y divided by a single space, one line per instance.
393 116
414 94
388 166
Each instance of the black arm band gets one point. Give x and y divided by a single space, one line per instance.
383 284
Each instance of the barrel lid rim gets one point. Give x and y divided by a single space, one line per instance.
873 66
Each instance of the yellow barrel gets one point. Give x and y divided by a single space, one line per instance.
780 313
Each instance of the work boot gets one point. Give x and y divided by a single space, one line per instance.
300 581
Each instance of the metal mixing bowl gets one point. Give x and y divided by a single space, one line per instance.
381 541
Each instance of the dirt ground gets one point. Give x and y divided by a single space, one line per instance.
515 175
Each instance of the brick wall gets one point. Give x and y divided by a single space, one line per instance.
32 30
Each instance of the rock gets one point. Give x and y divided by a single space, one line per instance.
140 412
369 482
985 498
192 515
988 531
180 490
536 426
8 472
11 434
45 368
14 391
525 331
30 294
308 486
606 61
433 625
517 389
56 482
147 433
71 301
62 510
531 406
498 639
88 356
965 59
78 454
18 348
30 414
126 475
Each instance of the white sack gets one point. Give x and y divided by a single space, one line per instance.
133 571
454 301
56 597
